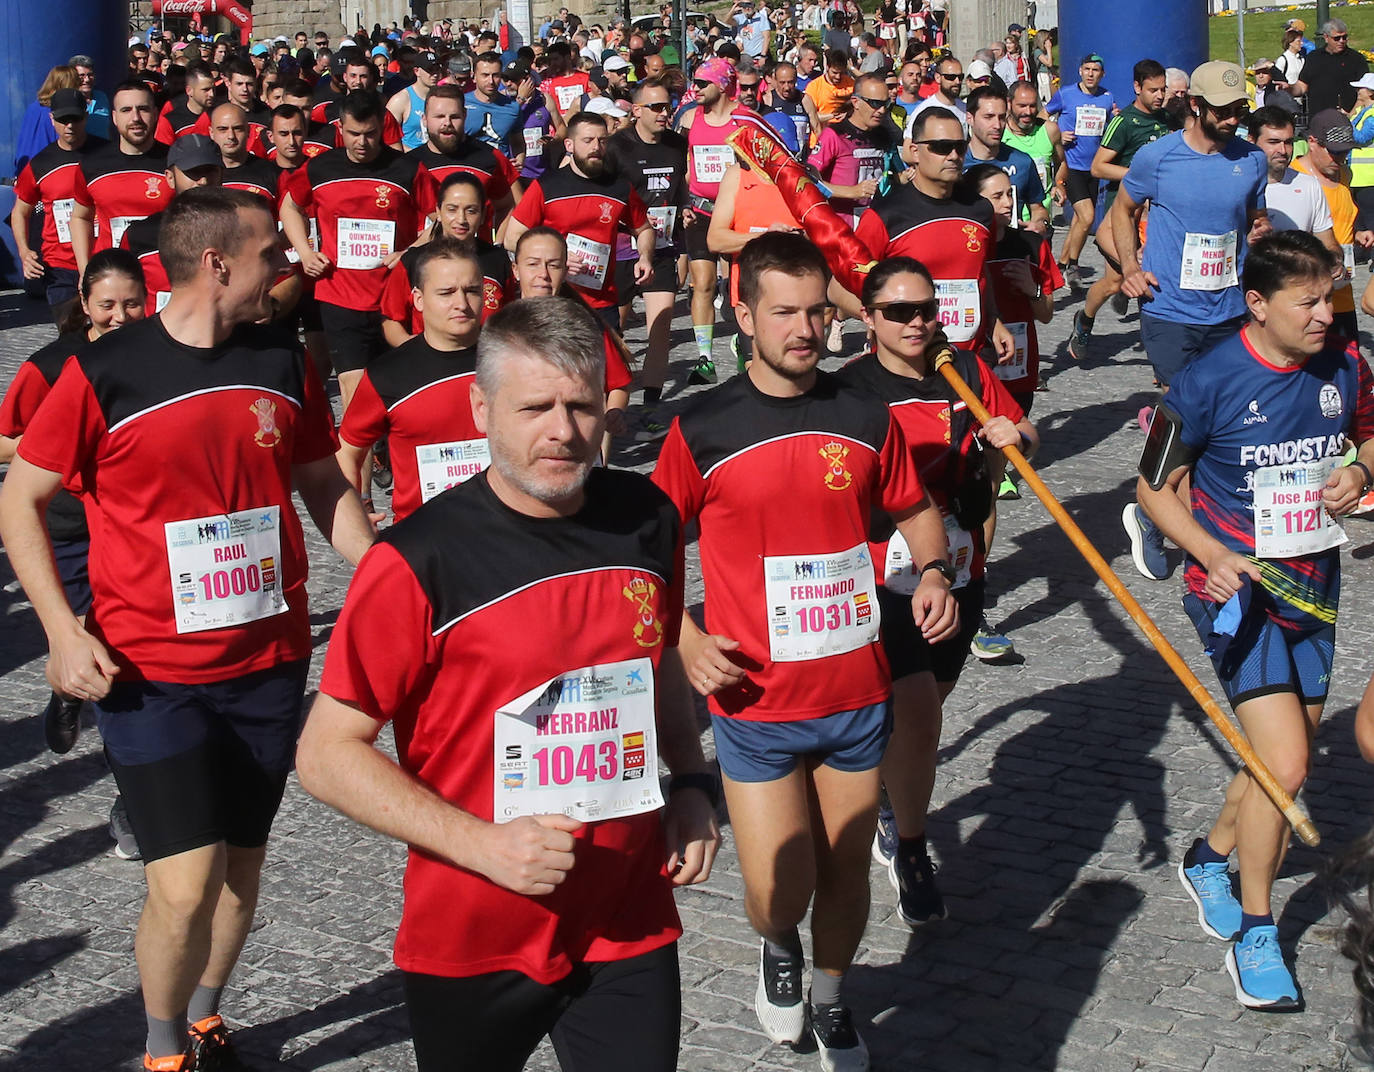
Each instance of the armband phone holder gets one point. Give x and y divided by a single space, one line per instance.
1164 448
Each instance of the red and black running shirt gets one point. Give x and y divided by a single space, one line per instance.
364 212
953 238
588 212
153 432
326 114
454 613
399 305
140 239
490 165
787 478
177 120
47 179
121 187
28 389
419 397
257 177
926 410
1014 305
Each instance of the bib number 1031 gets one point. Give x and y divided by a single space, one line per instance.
823 619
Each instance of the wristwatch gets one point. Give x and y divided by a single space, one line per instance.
707 782
942 567
1368 476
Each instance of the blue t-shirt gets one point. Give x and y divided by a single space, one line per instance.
749 33
494 122
1242 416
1199 203
1020 168
1084 115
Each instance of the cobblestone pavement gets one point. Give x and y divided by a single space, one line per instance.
1069 785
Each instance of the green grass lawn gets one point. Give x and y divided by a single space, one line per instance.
1264 32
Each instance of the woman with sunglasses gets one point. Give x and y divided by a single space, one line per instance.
958 472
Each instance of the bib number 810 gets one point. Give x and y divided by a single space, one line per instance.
560 765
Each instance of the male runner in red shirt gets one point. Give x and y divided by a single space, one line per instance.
191 114
447 149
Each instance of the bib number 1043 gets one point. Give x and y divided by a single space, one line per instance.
566 764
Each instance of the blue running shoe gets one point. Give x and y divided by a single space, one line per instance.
885 837
1262 979
1209 885
1147 543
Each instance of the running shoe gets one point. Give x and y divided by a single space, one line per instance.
1365 505
126 845
178 1062
990 645
918 895
1121 304
650 429
1262 979
839 1046
1008 489
885 836
703 372
834 342
212 1049
778 1000
1079 339
1071 277
1209 885
62 723
381 466
1147 543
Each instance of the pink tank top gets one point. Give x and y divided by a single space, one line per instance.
707 155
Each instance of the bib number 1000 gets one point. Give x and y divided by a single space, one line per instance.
590 763
239 581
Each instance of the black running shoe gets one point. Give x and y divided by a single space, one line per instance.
839 1045
918 896
62 723
212 1049
1079 339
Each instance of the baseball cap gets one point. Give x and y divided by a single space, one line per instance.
1366 81
1016 28
1092 57
1262 65
616 63
1296 24
460 64
1218 82
380 50
259 50
516 72
1331 127
606 106
428 60
68 104
978 70
193 151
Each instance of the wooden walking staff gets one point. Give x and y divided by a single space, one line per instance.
1297 818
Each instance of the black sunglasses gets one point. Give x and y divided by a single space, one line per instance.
876 105
945 146
953 77
904 312
656 106
1235 110
748 85
702 83
1339 37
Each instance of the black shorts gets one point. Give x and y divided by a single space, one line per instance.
1024 399
1081 186
308 312
74 569
663 281
910 653
613 1016
694 237
355 336
200 764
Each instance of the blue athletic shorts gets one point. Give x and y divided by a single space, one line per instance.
1265 658
200 764
753 751
1170 346
71 556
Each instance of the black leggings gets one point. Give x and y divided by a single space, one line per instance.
614 1016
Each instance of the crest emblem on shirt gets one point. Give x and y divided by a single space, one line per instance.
945 418
491 296
837 474
971 240
648 629
607 210
155 188
1329 400
265 410
383 196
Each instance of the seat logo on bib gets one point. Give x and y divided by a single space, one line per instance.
837 475
971 240
267 435
648 629
383 196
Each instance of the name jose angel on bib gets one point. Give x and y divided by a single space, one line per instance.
1290 517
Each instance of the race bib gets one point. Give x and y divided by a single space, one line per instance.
62 219
802 122
961 309
1015 369
820 606
1209 262
583 744
587 262
364 244
1290 519
1348 262
710 161
663 220
534 141
899 571
225 569
567 96
292 256
870 163
1090 121
118 225
445 465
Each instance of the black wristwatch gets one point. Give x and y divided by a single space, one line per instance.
1368 477
943 568
706 781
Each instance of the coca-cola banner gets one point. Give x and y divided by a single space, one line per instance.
235 12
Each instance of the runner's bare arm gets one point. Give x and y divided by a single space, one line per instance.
395 333
689 822
339 764
1345 487
19 224
297 230
705 658
1224 567
334 506
78 664
83 234
1103 166
514 229
1125 223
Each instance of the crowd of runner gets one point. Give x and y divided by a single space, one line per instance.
457 232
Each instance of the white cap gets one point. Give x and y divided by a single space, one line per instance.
1366 82
616 63
606 106
135 40
345 42
978 69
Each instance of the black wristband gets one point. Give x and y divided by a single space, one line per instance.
707 782
1368 476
